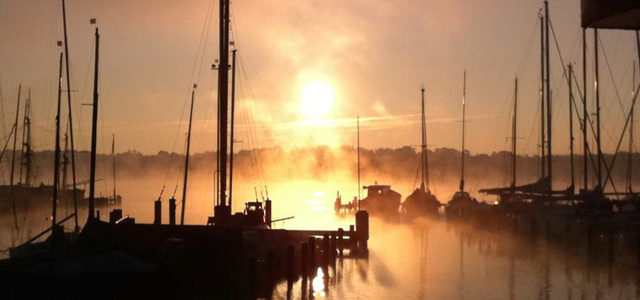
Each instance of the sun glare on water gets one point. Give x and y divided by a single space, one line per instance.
317 100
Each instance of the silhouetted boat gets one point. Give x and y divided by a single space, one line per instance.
24 195
462 205
422 202
381 201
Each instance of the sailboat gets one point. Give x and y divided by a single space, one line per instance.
22 194
422 202
461 205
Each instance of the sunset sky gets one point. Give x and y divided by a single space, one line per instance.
350 58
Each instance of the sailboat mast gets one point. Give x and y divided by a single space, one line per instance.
514 133
186 159
585 142
94 131
464 95
15 139
425 175
65 161
597 91
56 160
113 165
543 164
233 119
630 151
548 94
223 89
571 137
358 151
25 156
70 117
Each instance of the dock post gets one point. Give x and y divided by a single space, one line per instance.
157 212
98 215
304 256
267 214
332 247
115 215
362 229
353 242
172 211
340 241
312 255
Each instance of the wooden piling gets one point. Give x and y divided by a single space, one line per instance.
332 253
157 212
341 242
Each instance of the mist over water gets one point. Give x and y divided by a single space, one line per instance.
427 259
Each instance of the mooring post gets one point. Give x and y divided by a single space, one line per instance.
304 255
172 211
115 215
362 229
340 241
157 212
98 215
353 241
312 255
267 216
333 245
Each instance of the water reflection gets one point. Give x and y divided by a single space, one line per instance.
318 284
436 260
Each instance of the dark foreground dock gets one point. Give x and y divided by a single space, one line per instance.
143 260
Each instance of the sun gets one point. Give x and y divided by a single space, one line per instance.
317 99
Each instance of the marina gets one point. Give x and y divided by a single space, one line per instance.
248 202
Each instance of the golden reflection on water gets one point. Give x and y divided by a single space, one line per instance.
318 284
439 260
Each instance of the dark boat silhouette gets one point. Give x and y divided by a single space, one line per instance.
462 205
381 201
422 202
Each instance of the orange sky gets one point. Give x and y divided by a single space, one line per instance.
374 54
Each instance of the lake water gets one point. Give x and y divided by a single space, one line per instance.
431 259
428 259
